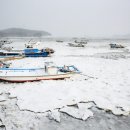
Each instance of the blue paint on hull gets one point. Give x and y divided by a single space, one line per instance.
42 54
26 53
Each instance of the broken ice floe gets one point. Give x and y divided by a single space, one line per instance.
79 113
54 115
87 105
44 96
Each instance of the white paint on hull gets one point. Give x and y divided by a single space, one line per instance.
35 78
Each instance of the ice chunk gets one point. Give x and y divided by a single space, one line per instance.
78 113
54 115
85 105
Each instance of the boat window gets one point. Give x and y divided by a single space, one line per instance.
71 68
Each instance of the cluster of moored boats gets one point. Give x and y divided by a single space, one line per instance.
29 51
83 43
48 72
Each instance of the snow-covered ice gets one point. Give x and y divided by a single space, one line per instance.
104 80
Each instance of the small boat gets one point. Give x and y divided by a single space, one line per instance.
81 41
34 45
5 42
49 72
116 46
76 45
9 53
29 52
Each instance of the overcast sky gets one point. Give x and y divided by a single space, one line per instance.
68 17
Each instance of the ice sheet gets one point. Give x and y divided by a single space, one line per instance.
104 81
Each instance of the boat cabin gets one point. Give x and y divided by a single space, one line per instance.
51 68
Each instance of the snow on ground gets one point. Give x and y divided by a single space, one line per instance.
104 81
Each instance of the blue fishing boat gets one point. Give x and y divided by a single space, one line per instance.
29 52
35 53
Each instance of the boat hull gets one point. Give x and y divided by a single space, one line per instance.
43 54
29 54
35 78
6 58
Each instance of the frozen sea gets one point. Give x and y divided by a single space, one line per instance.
98 99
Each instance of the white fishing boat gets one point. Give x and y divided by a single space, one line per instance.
112 45
49 72
76 45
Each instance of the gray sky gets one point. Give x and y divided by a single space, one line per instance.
68 17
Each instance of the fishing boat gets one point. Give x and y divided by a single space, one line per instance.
32 44
29 52
35 45
5 42
9 53
49 72
81 41
76 45
112 45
